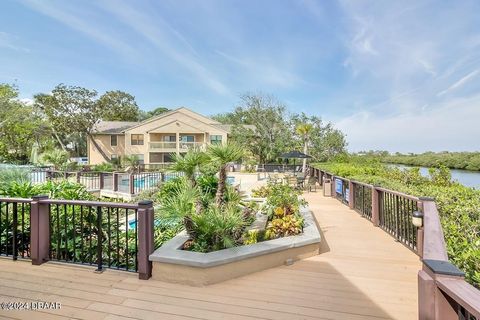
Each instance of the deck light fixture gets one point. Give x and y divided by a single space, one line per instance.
417 219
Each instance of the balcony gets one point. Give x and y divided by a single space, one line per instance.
185 146
159 145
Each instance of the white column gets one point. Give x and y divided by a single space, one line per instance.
178 142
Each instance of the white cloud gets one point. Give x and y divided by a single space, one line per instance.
460 82
8 41
87 27
168 40
452 126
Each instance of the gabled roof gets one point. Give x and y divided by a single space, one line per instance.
112 127
201 118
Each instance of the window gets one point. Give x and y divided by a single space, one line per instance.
169 138
113 141
187 138
167 157
137 139
216 139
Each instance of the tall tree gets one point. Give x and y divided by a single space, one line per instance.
268 135
118 106
304 130
144 115
73 112
20 126
324 142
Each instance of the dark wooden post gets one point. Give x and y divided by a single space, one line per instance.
78 174
39 230
375 207
420 234
332 186
351 192
131 184
115 181
321 178
102 180
145 238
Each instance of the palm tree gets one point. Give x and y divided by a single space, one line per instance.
131 162
304 130
189 163
55 157
222 155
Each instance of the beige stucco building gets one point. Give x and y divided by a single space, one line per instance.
155 139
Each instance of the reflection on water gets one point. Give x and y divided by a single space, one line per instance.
465 177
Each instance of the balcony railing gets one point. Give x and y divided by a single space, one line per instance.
190 145
443 292
162 145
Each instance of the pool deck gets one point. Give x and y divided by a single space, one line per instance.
362 273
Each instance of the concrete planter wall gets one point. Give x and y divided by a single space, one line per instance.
172 264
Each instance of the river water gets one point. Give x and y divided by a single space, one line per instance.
465 177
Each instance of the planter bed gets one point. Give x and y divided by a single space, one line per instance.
172 264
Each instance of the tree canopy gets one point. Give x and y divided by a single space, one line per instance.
275 131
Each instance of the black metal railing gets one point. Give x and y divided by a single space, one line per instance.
395 216
146 180
101 234
362 199
15 228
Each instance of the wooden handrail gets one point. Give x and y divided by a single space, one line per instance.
462 292
91 203
434 247
443 291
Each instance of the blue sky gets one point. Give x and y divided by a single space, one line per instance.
395 75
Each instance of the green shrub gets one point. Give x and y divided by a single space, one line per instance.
216 229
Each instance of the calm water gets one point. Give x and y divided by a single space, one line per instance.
465 177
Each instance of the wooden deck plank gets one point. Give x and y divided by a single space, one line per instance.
362 273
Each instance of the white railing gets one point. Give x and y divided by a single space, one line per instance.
162 145
190 145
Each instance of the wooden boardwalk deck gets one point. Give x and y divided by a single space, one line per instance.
361 274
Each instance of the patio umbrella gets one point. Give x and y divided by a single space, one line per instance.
294 155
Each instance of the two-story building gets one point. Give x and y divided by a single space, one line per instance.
155 139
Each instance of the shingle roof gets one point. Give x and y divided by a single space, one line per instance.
110 127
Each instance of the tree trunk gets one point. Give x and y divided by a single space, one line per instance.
222 180
58 139
98 148
305 147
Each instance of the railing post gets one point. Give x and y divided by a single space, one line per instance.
351 192
433 304
131 184
78 174
14 231
145 238
375 207
321 178
39 230
102 180
332 187
115 181
99 241
420 231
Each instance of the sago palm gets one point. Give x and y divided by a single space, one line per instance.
222 155
189 163
304 130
